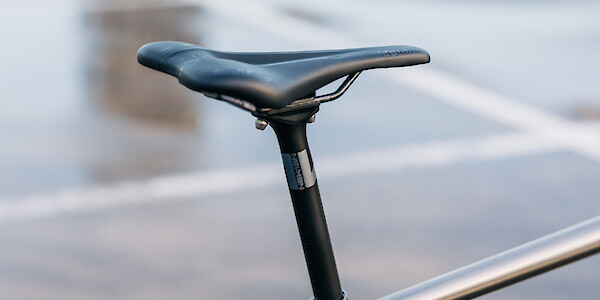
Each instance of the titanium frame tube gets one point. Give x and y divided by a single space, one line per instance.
308 208
509 267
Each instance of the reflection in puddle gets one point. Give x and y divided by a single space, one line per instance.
117 83
161 116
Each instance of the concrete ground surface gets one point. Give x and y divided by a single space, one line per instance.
422 169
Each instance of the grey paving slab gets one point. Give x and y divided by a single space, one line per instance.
389 231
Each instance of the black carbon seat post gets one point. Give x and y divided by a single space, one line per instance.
306 200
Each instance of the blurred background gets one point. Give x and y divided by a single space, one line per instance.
118 183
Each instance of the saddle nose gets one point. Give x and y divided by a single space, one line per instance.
152 55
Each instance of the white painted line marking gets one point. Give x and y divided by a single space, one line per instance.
169 188
434 154
279 24
154 190
581 139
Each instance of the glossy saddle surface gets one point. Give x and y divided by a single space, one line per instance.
269 79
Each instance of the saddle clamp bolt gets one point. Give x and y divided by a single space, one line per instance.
260 124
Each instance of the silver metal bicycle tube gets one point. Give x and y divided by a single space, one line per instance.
509 267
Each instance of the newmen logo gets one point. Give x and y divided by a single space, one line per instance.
299 170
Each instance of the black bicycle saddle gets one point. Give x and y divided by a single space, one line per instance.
269 79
